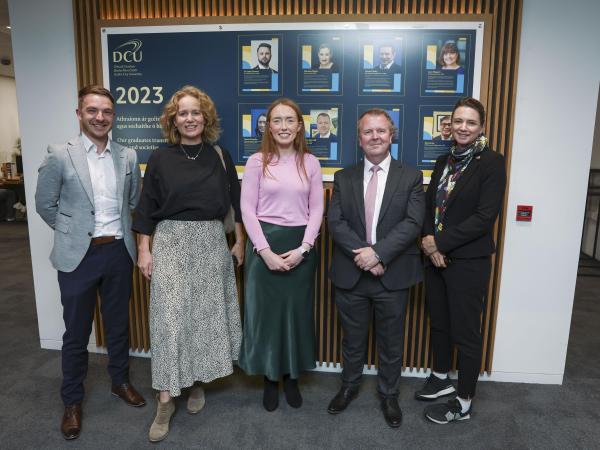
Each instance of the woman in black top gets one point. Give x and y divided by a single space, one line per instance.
194 314
462 202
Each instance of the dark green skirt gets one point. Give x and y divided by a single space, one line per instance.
278 333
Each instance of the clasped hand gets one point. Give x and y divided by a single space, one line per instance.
366 259
281 263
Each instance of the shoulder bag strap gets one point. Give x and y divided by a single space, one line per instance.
220 153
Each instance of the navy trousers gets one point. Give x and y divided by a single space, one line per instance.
107 269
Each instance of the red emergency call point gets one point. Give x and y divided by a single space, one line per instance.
524 213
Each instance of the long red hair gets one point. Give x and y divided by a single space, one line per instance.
269 148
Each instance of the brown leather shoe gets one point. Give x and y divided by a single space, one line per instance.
128 394
71 422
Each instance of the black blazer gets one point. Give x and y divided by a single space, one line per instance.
472 207
400 221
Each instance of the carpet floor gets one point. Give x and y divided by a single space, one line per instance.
506 415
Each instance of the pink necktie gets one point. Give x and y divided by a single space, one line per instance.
370 197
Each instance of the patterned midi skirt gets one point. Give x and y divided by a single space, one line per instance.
195 330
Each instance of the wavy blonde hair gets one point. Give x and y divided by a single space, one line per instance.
212 123
269 148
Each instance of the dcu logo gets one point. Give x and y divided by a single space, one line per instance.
130 52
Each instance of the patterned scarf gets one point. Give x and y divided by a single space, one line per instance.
457 163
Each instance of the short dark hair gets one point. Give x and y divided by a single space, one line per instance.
263 44
94 89
448 47
324 114
470 102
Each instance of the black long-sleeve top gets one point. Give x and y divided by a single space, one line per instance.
178 188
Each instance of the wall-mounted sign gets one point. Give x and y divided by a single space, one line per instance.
334 71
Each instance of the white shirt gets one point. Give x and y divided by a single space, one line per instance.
324 136
386 66
107 216
381 179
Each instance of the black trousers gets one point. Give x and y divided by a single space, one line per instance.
106 268
390 311
455 299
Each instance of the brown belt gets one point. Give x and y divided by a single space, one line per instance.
103 240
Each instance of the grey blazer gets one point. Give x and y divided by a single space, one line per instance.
65 200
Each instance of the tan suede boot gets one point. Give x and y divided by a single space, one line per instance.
196 399
160 427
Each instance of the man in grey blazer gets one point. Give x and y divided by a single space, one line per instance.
86 191
375 217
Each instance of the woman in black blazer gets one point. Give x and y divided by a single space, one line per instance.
462 202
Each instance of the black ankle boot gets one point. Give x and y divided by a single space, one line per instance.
292 393
271 395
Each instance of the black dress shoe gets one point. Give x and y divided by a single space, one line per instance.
128 394
71 422
391 411
341 400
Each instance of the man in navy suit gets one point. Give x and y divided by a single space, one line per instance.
324 128
375 217
263 55
387 56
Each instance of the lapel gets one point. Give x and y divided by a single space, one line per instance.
119 159
78 157
463 180
357 185
391 186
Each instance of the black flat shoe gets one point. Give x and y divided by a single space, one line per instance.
271 395
292 393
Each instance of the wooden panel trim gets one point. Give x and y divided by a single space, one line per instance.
208 20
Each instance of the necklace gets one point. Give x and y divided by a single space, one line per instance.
187 155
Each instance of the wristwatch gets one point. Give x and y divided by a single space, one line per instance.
303 251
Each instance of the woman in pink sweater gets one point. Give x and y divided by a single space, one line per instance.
282 210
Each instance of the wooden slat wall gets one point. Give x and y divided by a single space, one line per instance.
499 99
